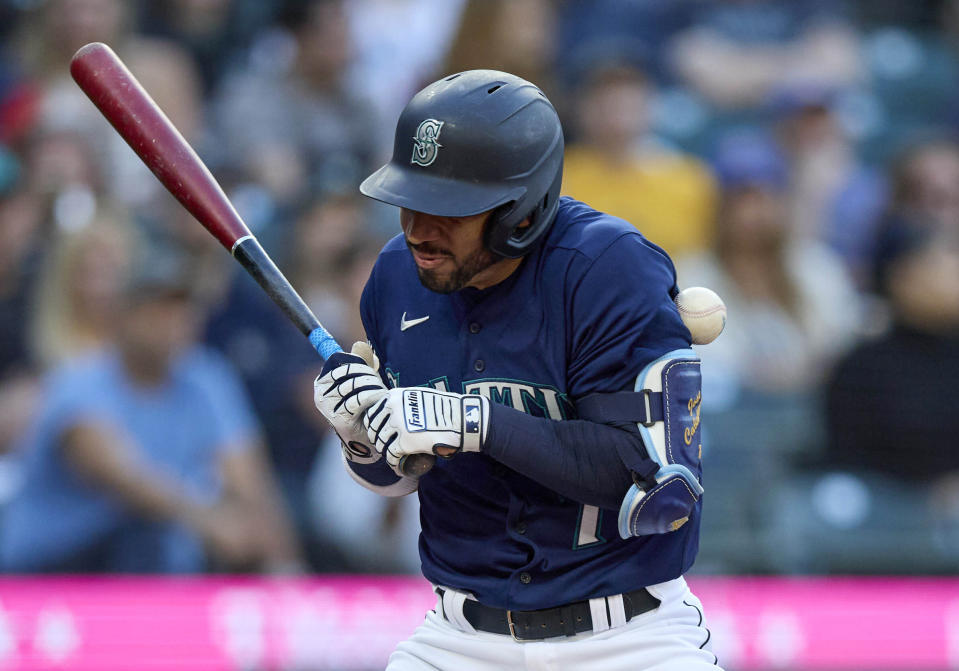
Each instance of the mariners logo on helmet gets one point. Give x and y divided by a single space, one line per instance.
425 145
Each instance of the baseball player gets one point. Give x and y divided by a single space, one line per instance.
532 344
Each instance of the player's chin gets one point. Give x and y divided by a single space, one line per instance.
440 281
434 281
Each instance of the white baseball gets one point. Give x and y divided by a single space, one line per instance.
703 312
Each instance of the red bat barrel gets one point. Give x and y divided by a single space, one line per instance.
137 118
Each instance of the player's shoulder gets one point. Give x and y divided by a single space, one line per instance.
394 272
395 244
591 233
393 257
393 282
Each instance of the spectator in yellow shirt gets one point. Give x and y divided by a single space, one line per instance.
610 163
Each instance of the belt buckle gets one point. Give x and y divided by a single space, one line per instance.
512 627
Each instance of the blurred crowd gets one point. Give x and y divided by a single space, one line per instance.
799 157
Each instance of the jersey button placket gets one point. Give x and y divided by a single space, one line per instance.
521 528
479 365
525 578
475 327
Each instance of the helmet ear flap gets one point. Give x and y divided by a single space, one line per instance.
498 229
505 237
503 233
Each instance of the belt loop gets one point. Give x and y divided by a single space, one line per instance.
617 614
453 608
448 612
597 610
440 610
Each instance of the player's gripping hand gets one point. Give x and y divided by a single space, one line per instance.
413 420
343 391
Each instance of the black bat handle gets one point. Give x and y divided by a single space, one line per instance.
251 255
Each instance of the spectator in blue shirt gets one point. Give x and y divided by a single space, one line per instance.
145 456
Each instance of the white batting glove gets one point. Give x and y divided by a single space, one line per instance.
413 420
347 387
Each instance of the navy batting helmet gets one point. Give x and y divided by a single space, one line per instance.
476 141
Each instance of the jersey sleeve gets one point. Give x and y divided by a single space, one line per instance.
622 316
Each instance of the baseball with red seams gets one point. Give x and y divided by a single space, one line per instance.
703 312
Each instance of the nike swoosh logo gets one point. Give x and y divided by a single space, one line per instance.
405 324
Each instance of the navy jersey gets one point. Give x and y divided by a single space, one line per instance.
586 310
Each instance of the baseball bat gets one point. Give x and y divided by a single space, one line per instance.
103 77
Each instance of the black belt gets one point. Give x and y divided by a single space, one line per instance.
533 625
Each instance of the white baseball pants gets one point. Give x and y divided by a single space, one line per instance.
672 637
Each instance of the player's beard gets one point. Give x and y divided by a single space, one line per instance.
448 281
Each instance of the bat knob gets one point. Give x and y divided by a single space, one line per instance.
415 465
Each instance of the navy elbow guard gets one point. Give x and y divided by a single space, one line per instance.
666 408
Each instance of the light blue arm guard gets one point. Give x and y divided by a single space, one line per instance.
672 394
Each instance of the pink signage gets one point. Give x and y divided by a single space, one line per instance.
228 623
836 623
